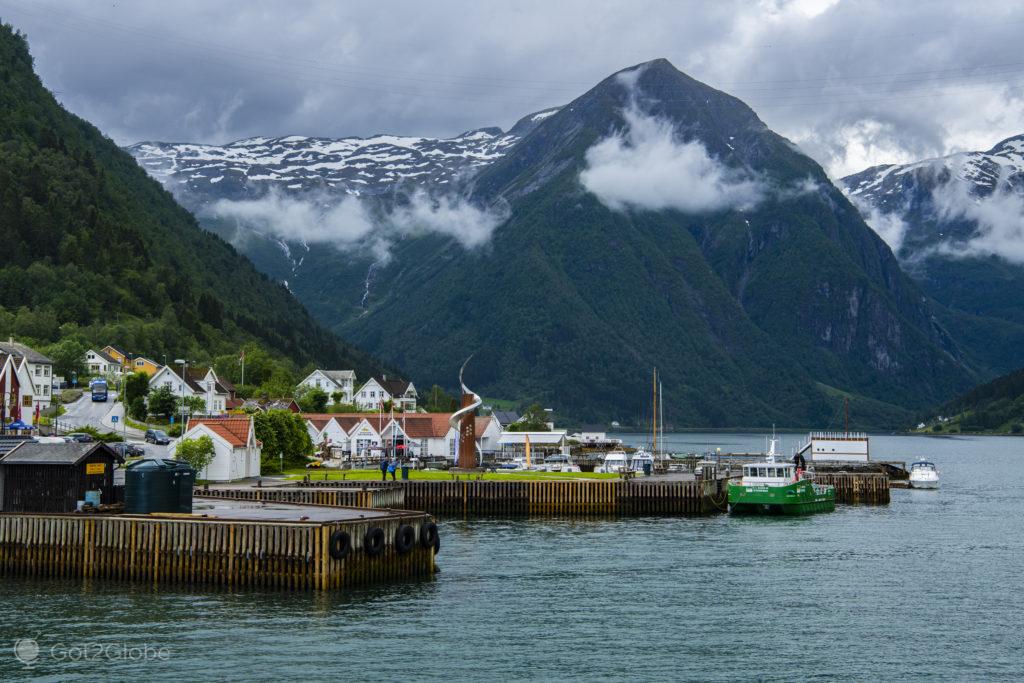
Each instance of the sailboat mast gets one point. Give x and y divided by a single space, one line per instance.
661 410
654 423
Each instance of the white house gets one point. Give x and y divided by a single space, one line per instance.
16 387
202 382
236 451
332 381
37 367
841 446
99 364
379 391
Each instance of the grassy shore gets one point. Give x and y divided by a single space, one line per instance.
439 475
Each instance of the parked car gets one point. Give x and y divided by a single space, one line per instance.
128 450
157 436
80 437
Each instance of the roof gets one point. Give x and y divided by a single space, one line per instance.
535 437
20 350
197 375
481 424
394 387
415 425
31 453
505 417
118 349
105 356
9 443
340 375
234 429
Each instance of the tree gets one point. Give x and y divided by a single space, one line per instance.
198 453
282 433
162 401
68 356
192 405
439 401
534 419
137 409
311 399
136 385
337 397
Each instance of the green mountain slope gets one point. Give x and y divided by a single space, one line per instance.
92 244
996 406
747 313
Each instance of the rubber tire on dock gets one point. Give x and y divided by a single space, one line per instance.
430 537
405 539
373 541
339 545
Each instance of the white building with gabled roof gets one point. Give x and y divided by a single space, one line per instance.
331 382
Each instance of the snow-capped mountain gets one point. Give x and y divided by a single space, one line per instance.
924 195
296 164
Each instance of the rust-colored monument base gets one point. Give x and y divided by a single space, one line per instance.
467 435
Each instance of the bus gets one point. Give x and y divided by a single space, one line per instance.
98 388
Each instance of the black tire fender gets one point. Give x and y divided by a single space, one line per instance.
373 541
339 545
405 539
430 537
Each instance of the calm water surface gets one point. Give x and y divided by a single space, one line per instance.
927 587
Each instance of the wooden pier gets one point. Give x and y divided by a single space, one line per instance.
564 498
363 497
865 488
230 544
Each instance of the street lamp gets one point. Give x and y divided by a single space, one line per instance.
184 369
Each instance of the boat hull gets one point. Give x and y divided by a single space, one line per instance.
798 498
924 483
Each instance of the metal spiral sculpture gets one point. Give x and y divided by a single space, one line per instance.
456 417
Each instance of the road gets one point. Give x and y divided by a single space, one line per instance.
84 412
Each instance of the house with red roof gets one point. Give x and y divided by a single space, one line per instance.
236 451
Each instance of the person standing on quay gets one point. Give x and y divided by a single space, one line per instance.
383 467
392 466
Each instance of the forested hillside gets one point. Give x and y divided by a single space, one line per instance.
997 406
94 248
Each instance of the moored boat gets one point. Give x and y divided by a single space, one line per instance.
770 487
924 475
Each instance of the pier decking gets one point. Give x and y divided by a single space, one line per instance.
224 543
363 496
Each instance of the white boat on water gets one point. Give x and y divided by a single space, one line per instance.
924 475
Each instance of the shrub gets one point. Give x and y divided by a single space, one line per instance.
1016 428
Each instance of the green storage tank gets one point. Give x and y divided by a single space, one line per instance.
184 481
150 485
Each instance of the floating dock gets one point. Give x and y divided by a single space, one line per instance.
563 498
225 543
863 488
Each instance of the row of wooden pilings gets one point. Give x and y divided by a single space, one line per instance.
229 553
391 497
576 498
864 488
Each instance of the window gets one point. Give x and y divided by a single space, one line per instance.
39 371
46 371
46 390
139 363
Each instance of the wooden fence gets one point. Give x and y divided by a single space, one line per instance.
187 551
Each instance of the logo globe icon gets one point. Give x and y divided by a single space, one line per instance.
26 650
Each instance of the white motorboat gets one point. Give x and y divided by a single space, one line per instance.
614 463
924 475
636 463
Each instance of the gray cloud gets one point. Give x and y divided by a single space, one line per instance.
350 226
854 82
999 218
647 167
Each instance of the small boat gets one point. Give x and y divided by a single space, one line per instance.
559 463
770 487
639 459
614 462
923 475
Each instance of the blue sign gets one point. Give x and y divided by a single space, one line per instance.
113 418
172 419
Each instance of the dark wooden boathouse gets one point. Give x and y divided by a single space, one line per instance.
46 477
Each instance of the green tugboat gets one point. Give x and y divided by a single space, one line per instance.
774 488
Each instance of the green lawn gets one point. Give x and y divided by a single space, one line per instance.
439 475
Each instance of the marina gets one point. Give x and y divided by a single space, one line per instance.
578 578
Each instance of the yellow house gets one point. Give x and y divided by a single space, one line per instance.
115 353
145 365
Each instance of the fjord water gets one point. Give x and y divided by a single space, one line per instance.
926 587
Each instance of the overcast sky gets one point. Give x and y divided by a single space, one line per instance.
855 83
